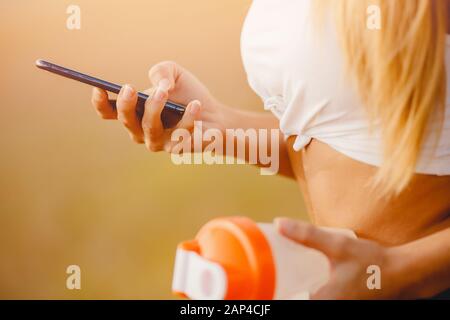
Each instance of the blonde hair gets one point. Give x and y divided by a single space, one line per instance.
400 74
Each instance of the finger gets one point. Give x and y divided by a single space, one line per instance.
324 293
150 91
126 112
191 114
331 244
99 100
164 71
151 124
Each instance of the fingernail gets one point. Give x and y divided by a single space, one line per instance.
159 94
161 91
285 225
97 94
128 92
195 107
164 84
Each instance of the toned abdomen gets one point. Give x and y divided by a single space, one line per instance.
338 193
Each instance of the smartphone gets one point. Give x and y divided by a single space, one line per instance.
170 116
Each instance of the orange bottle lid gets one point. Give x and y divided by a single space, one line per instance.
236 248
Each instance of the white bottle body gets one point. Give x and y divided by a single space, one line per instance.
299 270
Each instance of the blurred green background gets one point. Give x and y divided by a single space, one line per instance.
74 189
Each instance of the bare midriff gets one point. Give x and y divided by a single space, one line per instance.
338 193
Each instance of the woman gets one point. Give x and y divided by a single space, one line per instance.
366 118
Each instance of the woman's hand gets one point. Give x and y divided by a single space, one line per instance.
350 259
169 81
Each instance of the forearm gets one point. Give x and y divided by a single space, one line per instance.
423 266
240 119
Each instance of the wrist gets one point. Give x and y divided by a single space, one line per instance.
228 117
403 273
394 279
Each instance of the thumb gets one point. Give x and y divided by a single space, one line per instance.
333 245
167 71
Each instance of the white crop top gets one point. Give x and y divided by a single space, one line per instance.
303 82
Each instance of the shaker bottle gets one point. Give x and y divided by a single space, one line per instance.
234 258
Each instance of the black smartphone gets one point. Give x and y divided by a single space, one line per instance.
170 116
